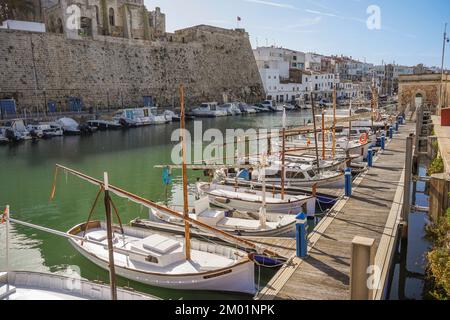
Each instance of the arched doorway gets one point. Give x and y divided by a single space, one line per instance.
418 100
111 17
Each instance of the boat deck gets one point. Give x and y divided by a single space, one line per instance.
373 211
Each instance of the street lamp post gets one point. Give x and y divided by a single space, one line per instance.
441 91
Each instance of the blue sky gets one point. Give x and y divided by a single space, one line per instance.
411 30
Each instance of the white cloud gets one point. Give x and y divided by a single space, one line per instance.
272 4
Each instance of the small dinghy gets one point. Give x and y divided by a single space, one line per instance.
276 226
159 260
248 200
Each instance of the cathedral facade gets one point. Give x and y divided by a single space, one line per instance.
128 19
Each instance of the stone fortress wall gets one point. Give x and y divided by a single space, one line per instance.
214 64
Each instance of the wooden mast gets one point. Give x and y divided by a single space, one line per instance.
333 147
350 121
323 134
112 271
185 193
315 131
373 105
283 155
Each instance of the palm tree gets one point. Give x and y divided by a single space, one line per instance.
13 9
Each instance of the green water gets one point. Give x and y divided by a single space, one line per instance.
26 177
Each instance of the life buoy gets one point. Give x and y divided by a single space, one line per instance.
363 138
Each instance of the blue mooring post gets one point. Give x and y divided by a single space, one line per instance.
383 141
370 157
348 182
301 236
391 132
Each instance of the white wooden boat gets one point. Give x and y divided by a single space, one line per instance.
274 226
248 200
159 260
209 110
304 160
302 178
25 285
342 145
358 133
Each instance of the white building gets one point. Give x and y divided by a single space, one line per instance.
313 62
285 79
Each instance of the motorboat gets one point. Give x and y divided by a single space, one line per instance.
155 118
158 259
172 115
104 124
232 109
261 108
136 117
69 126
249 200
15 131
37 130
246 109
273 226
26 285
3 138
54 130
209 110
272 106
289 107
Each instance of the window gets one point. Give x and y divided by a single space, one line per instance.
295 175
97 15
311 173
111 17
151 259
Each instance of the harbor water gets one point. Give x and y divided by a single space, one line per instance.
129 156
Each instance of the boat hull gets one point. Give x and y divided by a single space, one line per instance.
238 278
247 206
287 230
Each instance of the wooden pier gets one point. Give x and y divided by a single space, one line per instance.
373 211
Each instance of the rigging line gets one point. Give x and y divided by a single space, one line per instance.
117 215
92 211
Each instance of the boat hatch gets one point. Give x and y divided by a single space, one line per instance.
160 244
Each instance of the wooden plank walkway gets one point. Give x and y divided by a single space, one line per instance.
373 211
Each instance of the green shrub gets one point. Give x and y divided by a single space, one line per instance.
436 166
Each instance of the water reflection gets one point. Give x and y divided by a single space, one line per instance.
26 173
